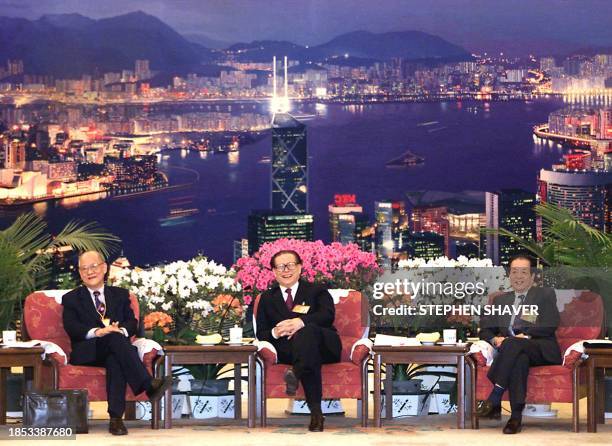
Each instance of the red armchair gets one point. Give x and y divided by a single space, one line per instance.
345 379
582 318
43 321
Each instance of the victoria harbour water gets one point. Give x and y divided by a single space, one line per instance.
466 146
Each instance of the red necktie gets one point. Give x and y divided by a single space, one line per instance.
289 301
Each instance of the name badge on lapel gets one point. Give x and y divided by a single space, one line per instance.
301 309
531 318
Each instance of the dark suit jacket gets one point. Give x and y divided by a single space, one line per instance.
542 331
272 309
80 316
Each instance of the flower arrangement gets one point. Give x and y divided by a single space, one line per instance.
158 319
196 294
157 325
335 265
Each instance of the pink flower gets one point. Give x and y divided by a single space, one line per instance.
335 265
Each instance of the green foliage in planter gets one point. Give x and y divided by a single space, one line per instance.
26 250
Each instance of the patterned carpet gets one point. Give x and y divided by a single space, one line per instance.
433 430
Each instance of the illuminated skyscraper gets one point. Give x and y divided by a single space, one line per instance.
344 217
267 226
289 155
432 219
586 194
426 245
391 229
289 165
141 69
511 209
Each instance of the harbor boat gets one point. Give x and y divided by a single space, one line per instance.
407 159
179 217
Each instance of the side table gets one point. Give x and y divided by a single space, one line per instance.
436 355
18 357
210 354
599 359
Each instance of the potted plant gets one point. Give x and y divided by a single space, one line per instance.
26 250
200 296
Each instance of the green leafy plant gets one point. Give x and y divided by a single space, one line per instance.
566 240
26 250
580 255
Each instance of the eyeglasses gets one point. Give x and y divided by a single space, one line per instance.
92 267
285 267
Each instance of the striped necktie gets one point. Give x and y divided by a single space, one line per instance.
100 307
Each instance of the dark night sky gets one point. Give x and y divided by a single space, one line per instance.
510 25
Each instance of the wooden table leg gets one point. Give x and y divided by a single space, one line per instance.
600 395
37 378
388 391
262 392
461 392
377 391
3 403
252 391
364 394
471 391
168 394
237 392
474 374
576 399
155 406
591 407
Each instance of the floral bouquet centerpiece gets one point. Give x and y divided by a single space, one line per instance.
158 324
200 296
335 265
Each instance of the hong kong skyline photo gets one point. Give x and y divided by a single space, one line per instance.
406 127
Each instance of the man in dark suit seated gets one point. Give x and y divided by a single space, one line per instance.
297 318
522 341
100 322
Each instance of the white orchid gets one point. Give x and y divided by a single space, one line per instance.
180 285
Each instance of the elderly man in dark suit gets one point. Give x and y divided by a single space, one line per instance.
100 322
522 341
297 318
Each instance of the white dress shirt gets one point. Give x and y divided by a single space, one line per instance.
92 333
293 289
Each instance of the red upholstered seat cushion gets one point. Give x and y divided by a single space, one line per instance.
43 321
360 353
581 319
552 383
340 380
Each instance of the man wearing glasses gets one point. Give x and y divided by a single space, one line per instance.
100 322
522 340
297 318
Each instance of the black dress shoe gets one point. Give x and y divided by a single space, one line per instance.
486 409
116 427
291 382
317 420
513 426
158 387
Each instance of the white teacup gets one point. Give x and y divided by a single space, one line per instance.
9 336
235 335
450 336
